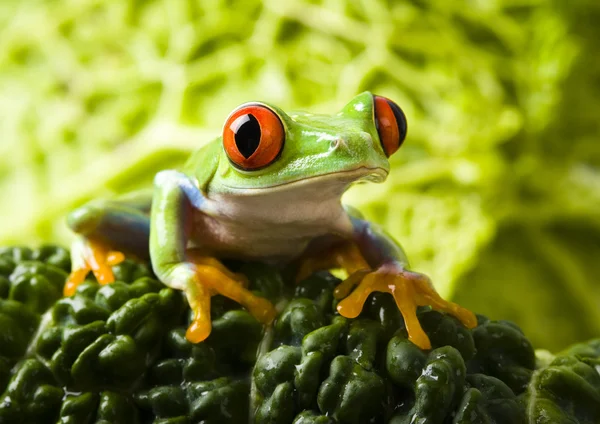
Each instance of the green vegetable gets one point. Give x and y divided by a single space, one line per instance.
568 389
351 394
309 417
118 354
31 395
488 400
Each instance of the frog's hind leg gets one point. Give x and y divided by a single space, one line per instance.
88 255
106 229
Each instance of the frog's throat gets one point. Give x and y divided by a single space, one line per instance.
375 174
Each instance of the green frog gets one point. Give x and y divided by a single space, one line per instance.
268 189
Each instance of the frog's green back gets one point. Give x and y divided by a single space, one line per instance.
203 163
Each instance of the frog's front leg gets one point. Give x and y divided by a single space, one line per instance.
200 276
375 262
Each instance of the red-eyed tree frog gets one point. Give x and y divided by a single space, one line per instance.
268 189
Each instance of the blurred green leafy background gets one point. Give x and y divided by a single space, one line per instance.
496 193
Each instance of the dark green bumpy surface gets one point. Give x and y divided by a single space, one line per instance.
118 354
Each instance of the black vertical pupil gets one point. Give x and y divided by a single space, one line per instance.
400 120
247 137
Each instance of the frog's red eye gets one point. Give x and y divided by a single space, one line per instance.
391 124
253 136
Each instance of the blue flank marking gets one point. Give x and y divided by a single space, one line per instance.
127 231
376 246
194 195
184 183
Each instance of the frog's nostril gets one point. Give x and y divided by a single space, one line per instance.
338 143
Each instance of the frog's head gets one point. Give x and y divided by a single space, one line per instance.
266 148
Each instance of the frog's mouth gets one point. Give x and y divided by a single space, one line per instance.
343 179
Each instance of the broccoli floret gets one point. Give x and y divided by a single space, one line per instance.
118 354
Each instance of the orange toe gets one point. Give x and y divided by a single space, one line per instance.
198 331
76 277
410 290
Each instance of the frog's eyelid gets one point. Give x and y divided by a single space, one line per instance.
280 114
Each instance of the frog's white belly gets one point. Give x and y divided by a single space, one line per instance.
266 227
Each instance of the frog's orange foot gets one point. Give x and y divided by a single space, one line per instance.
409 289
310 265
208 261
213 278
344 255
92 257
